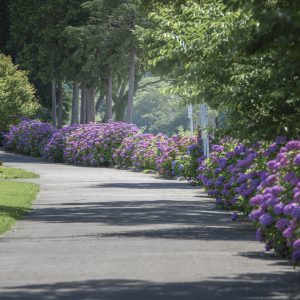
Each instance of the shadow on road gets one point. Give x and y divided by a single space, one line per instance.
189 219
145 185
246 286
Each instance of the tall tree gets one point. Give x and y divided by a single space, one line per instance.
37 31
75 103
238 56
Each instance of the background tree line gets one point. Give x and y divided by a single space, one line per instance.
241 57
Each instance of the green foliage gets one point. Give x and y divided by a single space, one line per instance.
187 165
100 45
156 111
37 32
241 59
16 94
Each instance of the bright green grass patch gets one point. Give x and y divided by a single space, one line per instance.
15 200
6 173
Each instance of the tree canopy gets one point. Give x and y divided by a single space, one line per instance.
16 94
240 57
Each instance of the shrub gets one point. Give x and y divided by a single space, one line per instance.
29 137
54 149
123 156
276 208
169 150
16 94
145 151
186 164
233 172
94 144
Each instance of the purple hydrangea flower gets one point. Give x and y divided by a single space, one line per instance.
282 223
295 256
265 219
297 160
259 235
255 214
234 216
278 208
296 244
288 232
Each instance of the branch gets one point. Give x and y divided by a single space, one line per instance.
149 83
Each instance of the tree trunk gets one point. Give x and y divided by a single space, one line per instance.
87 105
60 105
92 105
121 110
75 103
132 64
54 115
83 105
109 99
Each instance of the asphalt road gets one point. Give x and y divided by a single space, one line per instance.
100 233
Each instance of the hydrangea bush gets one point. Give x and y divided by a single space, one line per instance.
94 144
186 164
28 137
54 149
233 172
140 151
276 206
169 150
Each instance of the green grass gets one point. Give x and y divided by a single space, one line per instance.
6 173
15 200
15 197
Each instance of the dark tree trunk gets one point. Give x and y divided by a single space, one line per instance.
87 104
54 114
132 64
121 103
92 108
109 99
83 105
121 110
75 103
60 105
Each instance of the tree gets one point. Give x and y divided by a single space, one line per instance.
4 26
158 112
37 32
16 94
241 57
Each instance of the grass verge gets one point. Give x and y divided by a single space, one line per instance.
15 197
7 173
15 200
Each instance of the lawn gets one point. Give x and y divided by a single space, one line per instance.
6 173
15 197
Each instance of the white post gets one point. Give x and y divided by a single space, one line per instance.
190 116
204 124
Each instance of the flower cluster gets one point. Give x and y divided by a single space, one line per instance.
54 149
187 164
94 144
29 137
169 152
233 172
276 206
153 152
